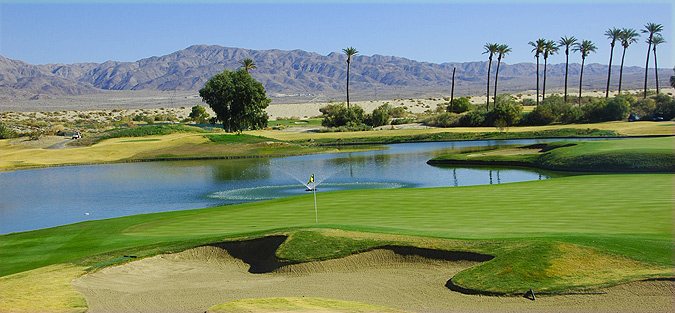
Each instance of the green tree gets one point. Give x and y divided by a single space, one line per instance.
538 49
349 52
502 51
550 47
238 100
627 37
657 40
567 43
491 49
652 29
585 47
613 34
672 79
248 64
199 114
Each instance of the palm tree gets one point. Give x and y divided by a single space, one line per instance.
349 52
538 48
613 34
247 64
567 43
657 40
503 50
586 47
490 48
652 29
627 37
550 47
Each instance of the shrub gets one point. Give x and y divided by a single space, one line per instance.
397 112
6 132
473 118
336 115
504 115
199 114
528 102
593 110
665 106
643 107
459 105
379 117
443 120
571 114
617 108
542 115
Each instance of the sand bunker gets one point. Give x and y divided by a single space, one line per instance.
409 279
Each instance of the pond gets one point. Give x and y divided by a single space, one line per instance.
47 197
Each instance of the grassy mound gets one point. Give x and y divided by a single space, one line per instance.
353 138
297 305
139 131
632 155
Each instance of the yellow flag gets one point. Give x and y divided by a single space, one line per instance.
311 179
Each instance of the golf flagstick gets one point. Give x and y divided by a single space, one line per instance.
316 212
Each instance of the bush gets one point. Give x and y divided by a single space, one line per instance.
617 109
443 120
6 132
379 117
665 106
542 115
199 114
643 107
336 115
594 110
528 102
505 114
473 119
459 105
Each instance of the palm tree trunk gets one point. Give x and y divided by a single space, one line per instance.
452 90
499 61
656 71
543 91
609 72
487 94
347 85
581 77
537 80
621 68
647 67
567 62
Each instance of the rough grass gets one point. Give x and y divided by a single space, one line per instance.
647 154
619 128
138 131
51 285
407 136
295 123
175 145
297 305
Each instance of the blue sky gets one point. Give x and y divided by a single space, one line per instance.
40 32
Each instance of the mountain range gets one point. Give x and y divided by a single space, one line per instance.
294 72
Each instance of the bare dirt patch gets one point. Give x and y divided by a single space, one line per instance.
199 278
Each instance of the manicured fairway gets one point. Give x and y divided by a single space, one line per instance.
621 155
606 211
